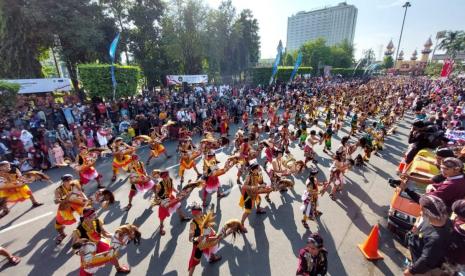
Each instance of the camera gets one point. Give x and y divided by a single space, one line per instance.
394 183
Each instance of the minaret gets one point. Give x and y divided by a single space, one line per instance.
426 51
401 55
414 55
389 49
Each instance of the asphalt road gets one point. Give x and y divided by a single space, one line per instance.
269 248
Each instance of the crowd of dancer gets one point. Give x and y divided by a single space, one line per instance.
272 122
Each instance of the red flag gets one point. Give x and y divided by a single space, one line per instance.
447 68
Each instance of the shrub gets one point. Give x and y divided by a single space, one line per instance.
96 80
8 93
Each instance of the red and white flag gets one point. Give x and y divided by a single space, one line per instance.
447 68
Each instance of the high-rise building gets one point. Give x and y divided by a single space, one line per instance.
334 24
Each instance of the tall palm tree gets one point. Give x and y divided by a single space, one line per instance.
453 42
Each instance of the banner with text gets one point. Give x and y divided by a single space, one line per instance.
179 79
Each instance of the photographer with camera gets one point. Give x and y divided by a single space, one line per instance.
449 190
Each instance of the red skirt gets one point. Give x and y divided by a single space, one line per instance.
213 183
88 174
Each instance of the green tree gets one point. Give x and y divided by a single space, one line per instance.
316 54
288 59
145 37
81 30
342 55
388 62
22 36
8 93
119 11
453 42
433 69
368 58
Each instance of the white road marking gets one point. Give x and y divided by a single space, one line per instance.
25 222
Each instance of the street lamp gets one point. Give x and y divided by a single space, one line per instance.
406 6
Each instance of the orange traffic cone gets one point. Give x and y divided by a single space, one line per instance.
401 167
370 247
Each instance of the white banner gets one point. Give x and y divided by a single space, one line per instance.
42 85
179 79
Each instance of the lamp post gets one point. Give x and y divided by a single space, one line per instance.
406 6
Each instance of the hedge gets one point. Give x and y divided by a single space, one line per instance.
96 80
261 75
8 93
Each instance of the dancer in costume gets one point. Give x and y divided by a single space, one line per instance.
245 153
199 228
70 199
187 162
250 196
13 186
140 181
166 195
327 138
310 198
211 173
94 244
86 165
122 156
310 142
204 237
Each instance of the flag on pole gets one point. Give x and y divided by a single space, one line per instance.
296 66
113 46
276 61
112 53
447 68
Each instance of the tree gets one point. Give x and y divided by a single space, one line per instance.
22 37
119 10
81 30
316 54
388 62
342 55
288 59
8 93
248 39
145 15
453 42
368 58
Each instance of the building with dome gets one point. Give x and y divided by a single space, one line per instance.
413 65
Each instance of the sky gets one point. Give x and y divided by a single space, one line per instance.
378 21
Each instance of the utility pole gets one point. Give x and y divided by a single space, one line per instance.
406 6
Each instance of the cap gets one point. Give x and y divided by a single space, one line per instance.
164 174
4 162
66 177
444 153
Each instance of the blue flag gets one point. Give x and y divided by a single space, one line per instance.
112 53
113 46
276 61
296 65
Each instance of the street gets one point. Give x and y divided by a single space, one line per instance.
269 248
